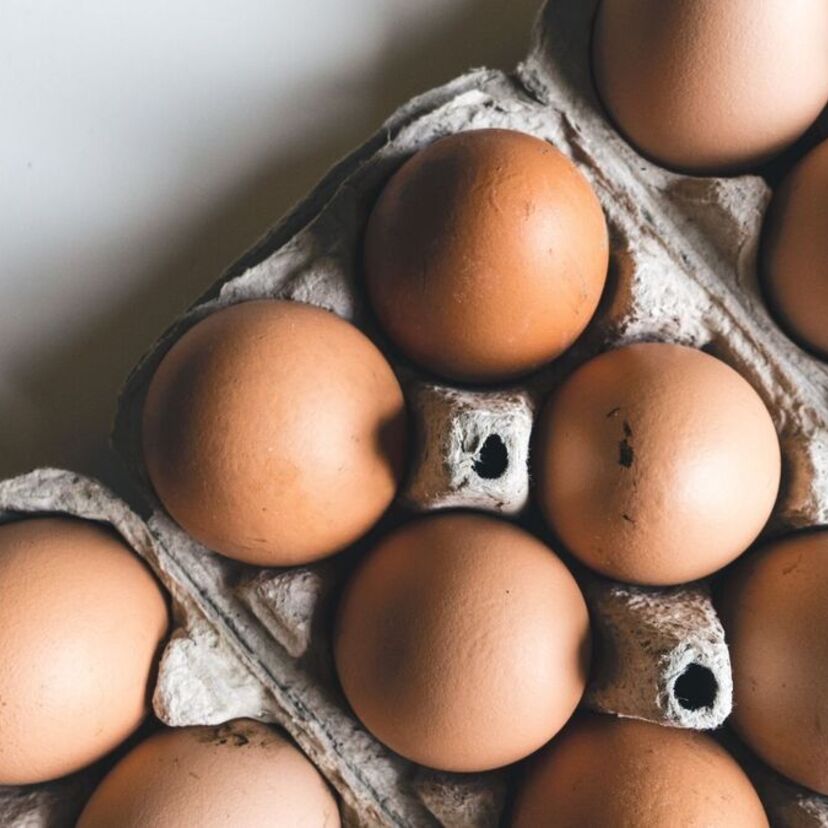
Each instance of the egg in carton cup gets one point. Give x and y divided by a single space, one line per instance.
207 682
58 493
256 643
55 493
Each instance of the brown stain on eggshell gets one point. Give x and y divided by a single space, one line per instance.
81 622
795 251
712 86
462 642
275 433
620 772
239 774
657 464
775 612
486 255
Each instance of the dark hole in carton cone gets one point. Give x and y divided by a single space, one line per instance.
696 688
492 460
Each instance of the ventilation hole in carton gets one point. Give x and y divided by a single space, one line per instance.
696 688
492 460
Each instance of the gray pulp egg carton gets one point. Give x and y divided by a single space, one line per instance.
206 680
252 642
231 687
684 253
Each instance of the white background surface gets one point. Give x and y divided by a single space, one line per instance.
144 145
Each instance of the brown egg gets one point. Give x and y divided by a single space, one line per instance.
603 771
796 251
240 774
775 611
81 622
712 86
274 433
657 464
462 642
486 255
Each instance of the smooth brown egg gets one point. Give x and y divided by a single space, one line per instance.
274 432
486 255
622 772
462 642
775 612
795 251
657 464
81 622
714 86
240 774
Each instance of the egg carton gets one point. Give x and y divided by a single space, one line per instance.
211 682
204 680
57 804
256 643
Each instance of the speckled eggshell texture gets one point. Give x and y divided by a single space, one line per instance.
712 85
775 611
657 464
621 772
486 255
81 623
274 432
796 251
239 774
462 642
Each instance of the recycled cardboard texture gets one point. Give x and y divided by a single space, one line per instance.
255 643
683 270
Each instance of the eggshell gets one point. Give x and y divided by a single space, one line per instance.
239 774
621 772
796 251
462 642
274 432
81 622
712 86
775 611
657 464
486 255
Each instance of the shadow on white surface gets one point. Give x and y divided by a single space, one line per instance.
68 358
